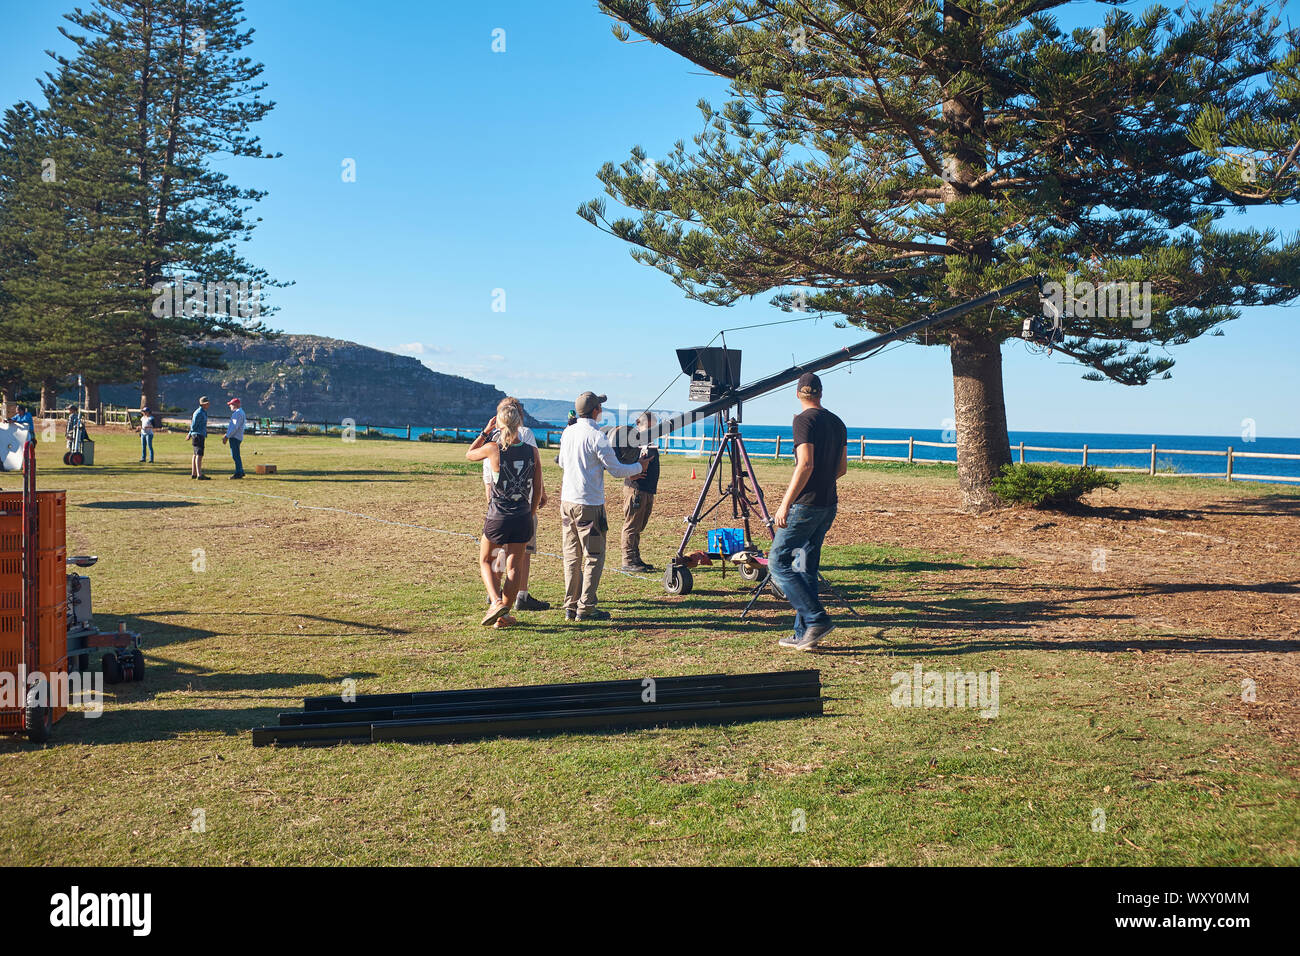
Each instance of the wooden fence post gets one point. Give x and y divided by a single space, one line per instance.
777 453
1153 460
1229 474
1022 453
862 448
1085 455
911 449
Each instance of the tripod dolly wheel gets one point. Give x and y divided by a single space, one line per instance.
67 457
678 579
76 458
753 572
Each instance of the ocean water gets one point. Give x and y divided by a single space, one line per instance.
760 442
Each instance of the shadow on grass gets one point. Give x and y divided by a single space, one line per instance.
929 622
136 505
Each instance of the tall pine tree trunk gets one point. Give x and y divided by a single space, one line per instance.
149 373
49 396
91 403
983 445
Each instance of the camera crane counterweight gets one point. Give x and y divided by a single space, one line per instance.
715 374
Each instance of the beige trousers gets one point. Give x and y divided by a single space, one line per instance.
636 514
584 530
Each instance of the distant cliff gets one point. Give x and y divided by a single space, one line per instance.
315 379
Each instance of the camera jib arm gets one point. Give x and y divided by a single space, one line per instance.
714 380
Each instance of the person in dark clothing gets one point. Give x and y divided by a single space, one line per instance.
515 494
639 498
806 513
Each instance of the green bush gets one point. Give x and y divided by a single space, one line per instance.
1049 486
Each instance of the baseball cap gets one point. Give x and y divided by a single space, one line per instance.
234 402
203 399
809 382
588 401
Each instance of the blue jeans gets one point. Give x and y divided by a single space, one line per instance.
795 558
234 453
146 446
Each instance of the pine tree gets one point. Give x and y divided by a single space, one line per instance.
882 159
155 91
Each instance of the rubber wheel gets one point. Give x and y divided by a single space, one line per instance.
76 458
67 457
137 665
678 580
112 669
753 572
40 723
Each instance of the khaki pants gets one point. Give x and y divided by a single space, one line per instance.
636 514
584 529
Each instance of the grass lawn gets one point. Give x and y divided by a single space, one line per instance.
1120 698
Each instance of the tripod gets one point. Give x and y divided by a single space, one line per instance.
737 491
677 578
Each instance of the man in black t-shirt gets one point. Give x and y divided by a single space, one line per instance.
639 498
806 512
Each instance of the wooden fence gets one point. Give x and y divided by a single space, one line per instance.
781 447
700 446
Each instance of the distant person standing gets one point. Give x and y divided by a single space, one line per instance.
146 434
585 456
234 436
23 419
523 600
639 498
76 433
198 436
806 513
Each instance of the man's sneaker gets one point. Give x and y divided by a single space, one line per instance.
812 637
789 641
640 568
570 614
595 614
530 603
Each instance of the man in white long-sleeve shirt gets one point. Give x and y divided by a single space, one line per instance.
585 456
234 436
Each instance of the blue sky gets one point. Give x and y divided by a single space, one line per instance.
469 166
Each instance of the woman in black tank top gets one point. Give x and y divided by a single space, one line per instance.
513 499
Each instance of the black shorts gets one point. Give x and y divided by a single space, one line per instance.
199 441
509 529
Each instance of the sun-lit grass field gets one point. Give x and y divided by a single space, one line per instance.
354 562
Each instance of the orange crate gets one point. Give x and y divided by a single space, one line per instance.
53 509
53 632
54 576
53 587
11 644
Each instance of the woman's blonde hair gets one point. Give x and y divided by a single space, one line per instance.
510 419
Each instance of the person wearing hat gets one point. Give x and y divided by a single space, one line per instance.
146 434
234 436
198 437
585 456
806 513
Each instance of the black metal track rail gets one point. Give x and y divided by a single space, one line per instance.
541 691
524 723
771 691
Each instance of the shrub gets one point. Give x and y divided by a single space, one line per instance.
1050 486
